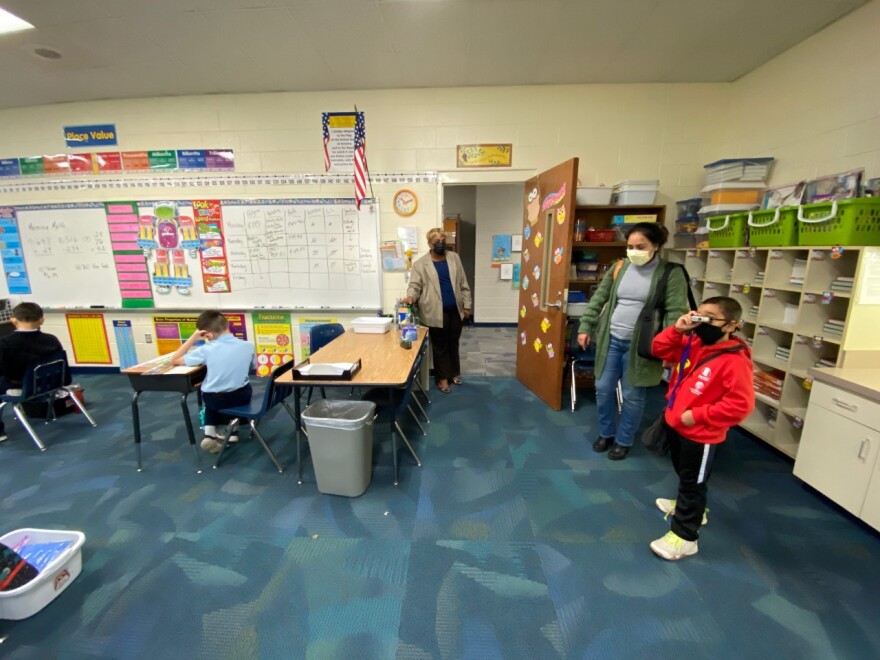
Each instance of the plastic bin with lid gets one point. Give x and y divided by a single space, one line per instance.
371 325
687 208
593 196
340 434
739 169
59 563
635 192
734 193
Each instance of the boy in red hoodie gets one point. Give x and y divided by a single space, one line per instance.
710 390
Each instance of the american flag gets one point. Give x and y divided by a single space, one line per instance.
360 159
325 119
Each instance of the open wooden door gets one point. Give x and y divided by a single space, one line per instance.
544 271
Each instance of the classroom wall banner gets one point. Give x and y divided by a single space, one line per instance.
339 130
91 135
125 344
273 339
212 252
305 328
89 338
13 257
484 155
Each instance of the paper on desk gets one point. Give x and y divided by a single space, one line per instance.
180 370
327 369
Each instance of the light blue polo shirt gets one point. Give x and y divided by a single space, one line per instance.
228 359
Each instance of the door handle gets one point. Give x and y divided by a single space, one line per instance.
846 406
866 444
557 304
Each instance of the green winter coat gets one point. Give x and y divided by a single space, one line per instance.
596 321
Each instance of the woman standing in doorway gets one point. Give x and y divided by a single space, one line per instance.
612 321
439 286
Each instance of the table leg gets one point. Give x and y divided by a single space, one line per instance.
189 431
297 420
393 435
136 421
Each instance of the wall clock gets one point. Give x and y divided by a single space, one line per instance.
405 202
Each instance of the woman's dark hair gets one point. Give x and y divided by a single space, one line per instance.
653 231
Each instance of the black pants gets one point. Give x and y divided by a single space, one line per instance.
693 465
215 401
444 344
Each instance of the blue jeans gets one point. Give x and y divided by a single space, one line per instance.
615 369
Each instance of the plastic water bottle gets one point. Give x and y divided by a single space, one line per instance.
408 331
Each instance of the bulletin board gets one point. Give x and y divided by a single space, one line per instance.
319 253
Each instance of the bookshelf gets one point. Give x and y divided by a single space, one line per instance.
797 303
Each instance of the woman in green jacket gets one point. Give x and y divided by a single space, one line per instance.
611 321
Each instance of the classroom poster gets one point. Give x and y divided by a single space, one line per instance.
237 325
125 344
89 338
501 244
13 257
273 339
515 281
172 331
212 251
166 233
131 264
305 327
339 140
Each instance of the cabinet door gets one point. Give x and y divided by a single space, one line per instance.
837 456
871 508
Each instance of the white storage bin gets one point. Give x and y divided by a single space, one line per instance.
371 325
738 169
576 309
28 599
593 196
635 192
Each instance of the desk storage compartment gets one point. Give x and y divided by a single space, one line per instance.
371 325
62 568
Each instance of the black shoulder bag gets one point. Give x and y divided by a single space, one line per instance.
650 321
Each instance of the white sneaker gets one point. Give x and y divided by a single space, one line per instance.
3 437
211 444
233 439
668 507
673 547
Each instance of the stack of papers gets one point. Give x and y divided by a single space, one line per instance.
798 269
327 369
842 284
833 328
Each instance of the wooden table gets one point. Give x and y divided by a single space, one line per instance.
159 375
384 364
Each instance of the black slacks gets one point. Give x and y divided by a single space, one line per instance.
444 344
693 465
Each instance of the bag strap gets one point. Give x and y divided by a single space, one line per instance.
616 270
685 354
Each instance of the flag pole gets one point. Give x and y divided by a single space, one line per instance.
366 161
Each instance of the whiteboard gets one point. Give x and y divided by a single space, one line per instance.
286 253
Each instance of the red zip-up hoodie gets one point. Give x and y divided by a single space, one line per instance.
720 395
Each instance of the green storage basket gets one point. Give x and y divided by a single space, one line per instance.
773 228
727 230
840 222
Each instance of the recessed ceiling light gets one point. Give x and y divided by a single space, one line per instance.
12 23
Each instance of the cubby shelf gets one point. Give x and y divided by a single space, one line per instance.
789 287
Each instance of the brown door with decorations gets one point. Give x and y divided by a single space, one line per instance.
549 211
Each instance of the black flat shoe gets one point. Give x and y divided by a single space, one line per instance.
618 452
602 444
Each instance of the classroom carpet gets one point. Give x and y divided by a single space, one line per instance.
514 540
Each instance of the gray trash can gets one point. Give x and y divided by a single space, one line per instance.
341 442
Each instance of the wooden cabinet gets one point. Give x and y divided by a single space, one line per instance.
838 455
452 226
797 306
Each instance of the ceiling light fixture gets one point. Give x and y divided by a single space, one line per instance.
12 23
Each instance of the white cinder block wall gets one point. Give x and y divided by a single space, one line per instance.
816 108
499 211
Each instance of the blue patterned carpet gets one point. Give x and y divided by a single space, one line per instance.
514 541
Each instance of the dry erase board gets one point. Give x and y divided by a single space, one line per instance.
292 253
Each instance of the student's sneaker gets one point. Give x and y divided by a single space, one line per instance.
673 547
233 439
211 444
668 507
3 437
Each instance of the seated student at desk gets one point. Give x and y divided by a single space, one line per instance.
228 360
19 349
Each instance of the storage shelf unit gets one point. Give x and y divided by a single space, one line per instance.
793 319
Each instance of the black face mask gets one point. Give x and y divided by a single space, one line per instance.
708 333
439 247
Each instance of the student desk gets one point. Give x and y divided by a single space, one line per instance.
384 364
159 375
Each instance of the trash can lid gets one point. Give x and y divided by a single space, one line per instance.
339 414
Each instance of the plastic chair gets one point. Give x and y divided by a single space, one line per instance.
421 390
42 379
393 406
267 395
586 359
319 337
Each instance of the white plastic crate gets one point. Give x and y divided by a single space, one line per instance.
635 192
371 325
593 196
28 599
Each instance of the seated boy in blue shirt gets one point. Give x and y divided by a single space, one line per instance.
228 360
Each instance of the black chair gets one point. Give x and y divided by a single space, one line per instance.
267 395
391 404
319 337
585 360
42 380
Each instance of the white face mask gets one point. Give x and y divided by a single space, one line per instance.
639 257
